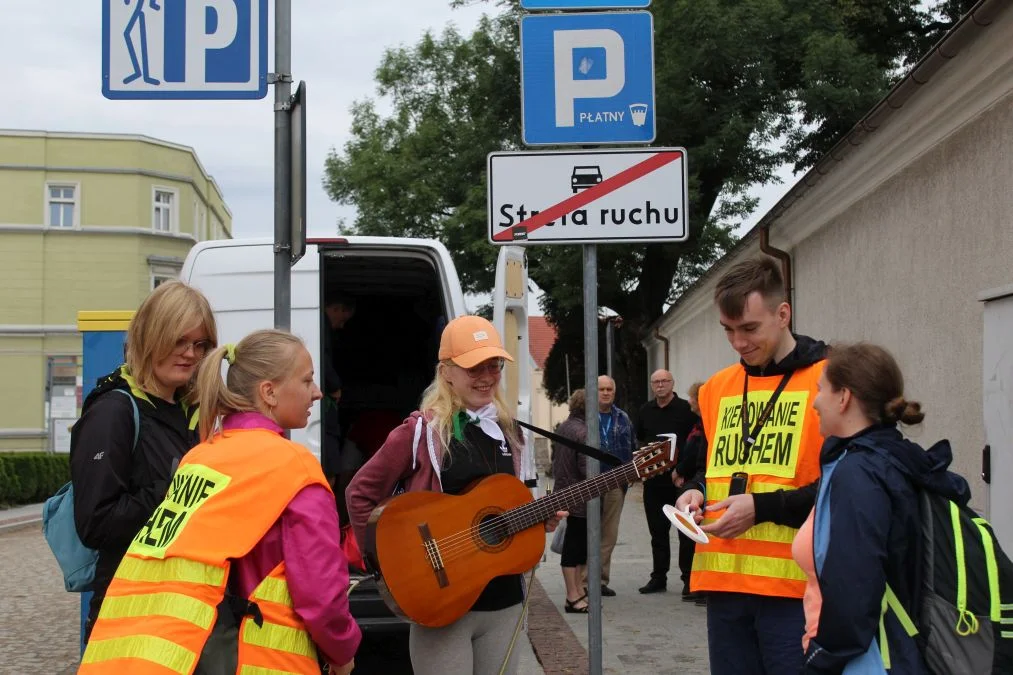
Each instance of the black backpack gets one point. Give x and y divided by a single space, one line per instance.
963 618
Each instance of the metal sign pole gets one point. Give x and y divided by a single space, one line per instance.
594 639
282 165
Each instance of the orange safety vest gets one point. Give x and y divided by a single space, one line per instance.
786 455
162 603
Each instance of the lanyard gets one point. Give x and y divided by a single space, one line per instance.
605 429
749 439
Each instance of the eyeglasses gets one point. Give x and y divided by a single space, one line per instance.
199 347
660 381
492 367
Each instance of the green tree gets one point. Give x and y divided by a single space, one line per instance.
744 85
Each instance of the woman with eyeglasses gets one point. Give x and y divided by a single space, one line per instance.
121 470
463 431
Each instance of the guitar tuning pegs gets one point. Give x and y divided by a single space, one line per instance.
671 445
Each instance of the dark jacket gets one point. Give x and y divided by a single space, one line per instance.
117 487
693 455
783 507
675 418
568 466
622 440
866 512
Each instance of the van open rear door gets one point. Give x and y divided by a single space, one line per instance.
510 316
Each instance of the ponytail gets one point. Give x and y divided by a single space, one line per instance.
901 410
212 392
263 355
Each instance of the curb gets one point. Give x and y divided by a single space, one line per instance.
556 647
23 522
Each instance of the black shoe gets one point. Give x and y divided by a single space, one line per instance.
607 592
692 597
654 586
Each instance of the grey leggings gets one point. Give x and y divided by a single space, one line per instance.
475 644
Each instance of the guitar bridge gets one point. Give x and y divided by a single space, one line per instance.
433 555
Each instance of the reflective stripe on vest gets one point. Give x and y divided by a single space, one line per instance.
161 605
280 644
150 648
785 456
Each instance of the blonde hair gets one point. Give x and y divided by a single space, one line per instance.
264 355
440 403
163 318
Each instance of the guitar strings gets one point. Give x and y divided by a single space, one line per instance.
525 516
464 541
640 461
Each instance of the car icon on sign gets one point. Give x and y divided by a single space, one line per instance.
584 177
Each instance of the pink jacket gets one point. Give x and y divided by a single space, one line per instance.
306 537
412 454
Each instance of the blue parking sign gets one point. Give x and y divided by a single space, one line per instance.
184 49
587 79
585 4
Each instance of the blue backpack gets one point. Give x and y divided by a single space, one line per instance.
77 561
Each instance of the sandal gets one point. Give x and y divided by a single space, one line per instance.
571 606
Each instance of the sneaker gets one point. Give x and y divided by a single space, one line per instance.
654 586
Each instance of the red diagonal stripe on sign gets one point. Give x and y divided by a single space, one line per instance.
585 197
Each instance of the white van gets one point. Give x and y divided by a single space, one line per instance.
405 292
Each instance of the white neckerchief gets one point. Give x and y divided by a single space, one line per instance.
488 422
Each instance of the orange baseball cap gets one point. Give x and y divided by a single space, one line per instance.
470 340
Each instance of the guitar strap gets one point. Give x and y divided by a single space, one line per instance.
594 453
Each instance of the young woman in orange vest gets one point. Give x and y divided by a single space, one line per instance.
463 431
240 568
858 543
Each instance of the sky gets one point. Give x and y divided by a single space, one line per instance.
52 53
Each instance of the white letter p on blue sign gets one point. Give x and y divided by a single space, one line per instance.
184 49
568 87
587 79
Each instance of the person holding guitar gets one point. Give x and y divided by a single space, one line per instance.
462 432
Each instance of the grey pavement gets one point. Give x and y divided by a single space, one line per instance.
40 620
642 634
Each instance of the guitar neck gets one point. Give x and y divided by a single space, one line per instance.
542 509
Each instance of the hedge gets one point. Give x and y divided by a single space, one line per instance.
31 477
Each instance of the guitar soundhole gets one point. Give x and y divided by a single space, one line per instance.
492 530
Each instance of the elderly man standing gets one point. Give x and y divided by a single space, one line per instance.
616 435
665 414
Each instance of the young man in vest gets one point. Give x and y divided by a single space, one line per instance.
759 479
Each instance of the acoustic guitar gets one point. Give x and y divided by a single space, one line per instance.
434 553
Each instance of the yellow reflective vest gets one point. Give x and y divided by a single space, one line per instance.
786 455
163 601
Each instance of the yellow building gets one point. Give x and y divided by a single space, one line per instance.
87 222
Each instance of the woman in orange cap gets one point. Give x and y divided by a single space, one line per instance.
463 431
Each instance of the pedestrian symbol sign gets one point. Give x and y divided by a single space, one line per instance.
587 79
184 49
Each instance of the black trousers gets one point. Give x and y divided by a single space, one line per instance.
659 491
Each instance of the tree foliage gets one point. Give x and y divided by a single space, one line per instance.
744 85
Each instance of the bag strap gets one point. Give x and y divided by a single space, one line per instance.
594 453
137 415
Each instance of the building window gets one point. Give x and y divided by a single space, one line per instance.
61 205
164 213
160 273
